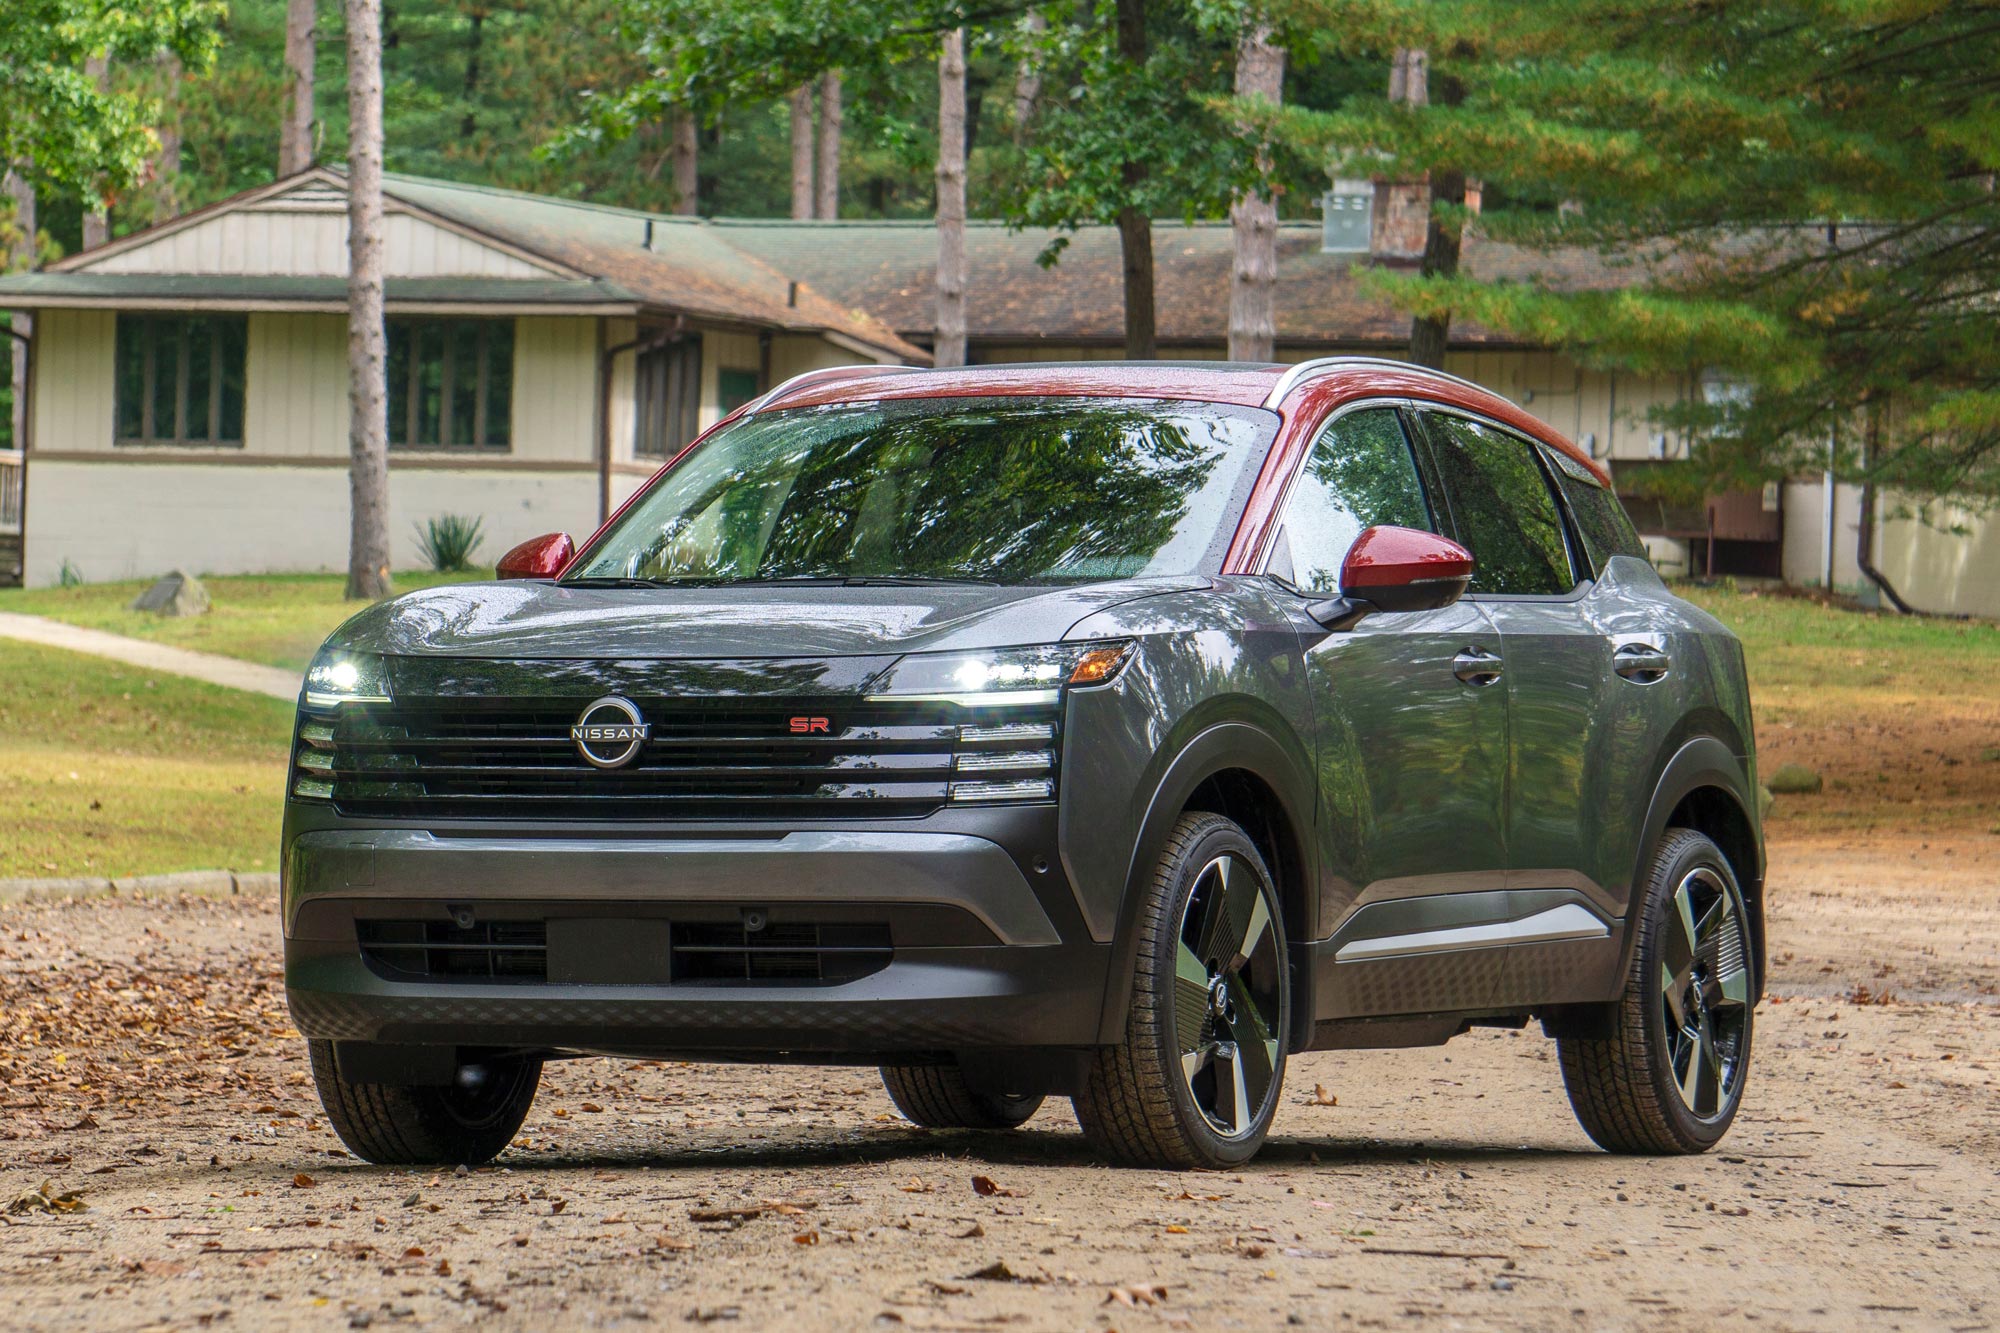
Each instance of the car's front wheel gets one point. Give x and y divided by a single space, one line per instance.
469 1122
939 1097
1196 1080
1667 1074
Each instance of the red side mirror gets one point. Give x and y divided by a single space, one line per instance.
541 557
1402 569
1396 569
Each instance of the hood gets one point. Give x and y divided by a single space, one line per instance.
521 620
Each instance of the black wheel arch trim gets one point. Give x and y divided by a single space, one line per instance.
1703 762
1219 748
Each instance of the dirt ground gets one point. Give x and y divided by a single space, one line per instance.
147 1064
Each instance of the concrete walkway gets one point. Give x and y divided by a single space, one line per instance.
211 667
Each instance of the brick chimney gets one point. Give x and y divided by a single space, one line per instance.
1402 216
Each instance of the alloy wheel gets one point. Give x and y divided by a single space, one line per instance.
1705 992
1228 995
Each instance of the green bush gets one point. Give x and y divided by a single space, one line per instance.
449 541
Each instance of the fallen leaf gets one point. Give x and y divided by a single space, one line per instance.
46 1200
806 1238
1321 1097
986 1187
302 1181
1136 1294
997 1271
1177 1231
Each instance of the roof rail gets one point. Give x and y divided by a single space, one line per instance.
1298 374
806 379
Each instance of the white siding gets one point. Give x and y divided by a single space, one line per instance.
295 386
313 243
1804 548
555 388
74 399
120 519
1936 569
737 351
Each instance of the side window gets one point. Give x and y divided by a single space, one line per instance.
1600 520
1503 508
1359 474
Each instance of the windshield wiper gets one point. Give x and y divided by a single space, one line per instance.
914 580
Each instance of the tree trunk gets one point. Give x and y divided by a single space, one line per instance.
948 348
802 152
167 166
687 159
1253 218
468 124
97 221
295 131
1028 79
1430 333
367 360
20 258
827 204
1135 225
1443 236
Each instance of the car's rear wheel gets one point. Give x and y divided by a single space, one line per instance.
938 1097
1196 1081
469 1122
1668 1074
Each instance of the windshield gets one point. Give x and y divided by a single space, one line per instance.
1007 490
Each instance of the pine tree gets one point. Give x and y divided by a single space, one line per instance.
1797 200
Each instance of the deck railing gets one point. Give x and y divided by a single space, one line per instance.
10 490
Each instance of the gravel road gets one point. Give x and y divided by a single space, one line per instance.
148 1068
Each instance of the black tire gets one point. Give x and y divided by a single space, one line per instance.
1670 1076
938 1097
400 1126
1204 1029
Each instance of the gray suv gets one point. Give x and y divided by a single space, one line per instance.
1110 731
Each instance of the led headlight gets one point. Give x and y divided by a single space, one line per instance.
1003 676
337 677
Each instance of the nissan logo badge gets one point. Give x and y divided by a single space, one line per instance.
610 733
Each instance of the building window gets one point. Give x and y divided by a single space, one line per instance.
180 379
451 383
669 399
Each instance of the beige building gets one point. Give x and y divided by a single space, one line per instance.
188 402
188 384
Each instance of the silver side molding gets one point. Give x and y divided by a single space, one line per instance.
1571 921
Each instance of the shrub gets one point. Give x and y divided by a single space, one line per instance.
449 541
69 576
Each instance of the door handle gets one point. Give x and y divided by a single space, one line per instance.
1641 662
1476 667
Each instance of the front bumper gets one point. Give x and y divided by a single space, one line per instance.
979 960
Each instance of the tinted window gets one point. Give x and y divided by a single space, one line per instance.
451 383
1009 489
1600 520
179 380
1502 506
1358 475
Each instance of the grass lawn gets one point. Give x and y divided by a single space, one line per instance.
1900 715
109 770
277 619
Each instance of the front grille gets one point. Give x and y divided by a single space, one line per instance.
698 953
514 759
719 954
443 951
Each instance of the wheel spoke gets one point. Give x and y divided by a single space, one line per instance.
1232 1098
1212 933
1196 1060
1674 990
1682 941
1710 1089
1254 930
1689 1078
1734 988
